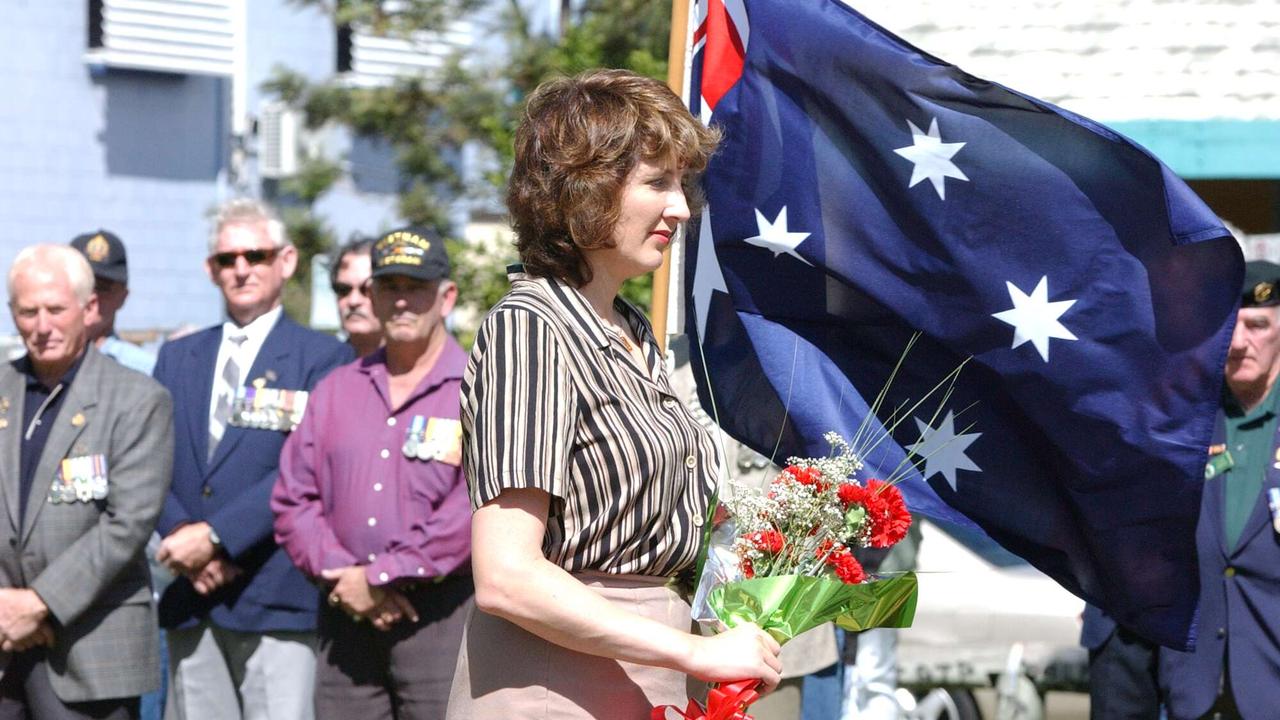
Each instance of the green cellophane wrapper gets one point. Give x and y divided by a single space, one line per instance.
788 605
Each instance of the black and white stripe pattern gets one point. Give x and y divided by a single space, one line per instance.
549 401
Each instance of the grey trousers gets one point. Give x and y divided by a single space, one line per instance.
220 674
404 673
26 694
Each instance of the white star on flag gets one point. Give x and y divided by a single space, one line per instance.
775 236
1034 318
707 275
931 158
943 450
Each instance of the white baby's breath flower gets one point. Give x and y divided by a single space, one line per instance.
809 514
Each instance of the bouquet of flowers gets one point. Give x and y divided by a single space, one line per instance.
783 558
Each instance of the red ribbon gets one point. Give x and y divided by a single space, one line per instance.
725 701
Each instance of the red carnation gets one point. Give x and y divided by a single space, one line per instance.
823 548
850 493
767 541
747 570
846 567
849 570
888 512
807 476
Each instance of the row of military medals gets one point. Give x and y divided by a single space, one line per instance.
265 408
80 479
434 439
415 440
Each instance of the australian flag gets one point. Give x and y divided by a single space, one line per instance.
866 192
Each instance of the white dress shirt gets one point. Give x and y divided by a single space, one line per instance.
255 334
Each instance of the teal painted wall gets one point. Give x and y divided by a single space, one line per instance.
1211 149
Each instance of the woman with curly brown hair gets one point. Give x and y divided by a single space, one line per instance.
590 479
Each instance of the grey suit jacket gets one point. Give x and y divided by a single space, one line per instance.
87 560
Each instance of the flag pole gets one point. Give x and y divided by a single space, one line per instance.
675 80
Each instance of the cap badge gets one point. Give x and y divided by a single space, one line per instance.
97 248
402 248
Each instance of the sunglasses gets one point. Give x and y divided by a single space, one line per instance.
343 289
226 260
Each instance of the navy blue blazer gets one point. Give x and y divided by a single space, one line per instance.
1239 610
232 491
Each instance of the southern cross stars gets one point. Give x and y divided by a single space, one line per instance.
943 450
775 236
1034 318
931 157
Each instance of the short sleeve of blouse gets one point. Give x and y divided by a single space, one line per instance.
518 408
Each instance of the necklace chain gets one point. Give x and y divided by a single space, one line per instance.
617 331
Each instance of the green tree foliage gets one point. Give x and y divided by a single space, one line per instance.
480 270
311 236
427 119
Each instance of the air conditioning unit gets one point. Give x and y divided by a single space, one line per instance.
278 141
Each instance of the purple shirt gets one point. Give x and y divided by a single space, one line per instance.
347 495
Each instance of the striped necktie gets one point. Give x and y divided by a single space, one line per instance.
226 393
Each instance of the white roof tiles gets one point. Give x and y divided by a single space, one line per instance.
1111 60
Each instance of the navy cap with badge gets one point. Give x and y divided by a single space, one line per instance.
411 251
105 253
1261 284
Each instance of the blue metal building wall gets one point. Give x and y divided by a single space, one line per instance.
143 154
137 153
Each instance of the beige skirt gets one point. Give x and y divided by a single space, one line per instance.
505 671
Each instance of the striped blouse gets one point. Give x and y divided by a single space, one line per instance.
551 400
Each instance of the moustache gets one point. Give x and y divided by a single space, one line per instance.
356 312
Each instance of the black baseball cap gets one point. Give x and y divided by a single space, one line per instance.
1261 284
411 251
105 253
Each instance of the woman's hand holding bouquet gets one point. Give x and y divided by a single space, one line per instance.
782 559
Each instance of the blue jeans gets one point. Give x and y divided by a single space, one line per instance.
824 690
153 702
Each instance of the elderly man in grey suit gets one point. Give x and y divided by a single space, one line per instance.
86 449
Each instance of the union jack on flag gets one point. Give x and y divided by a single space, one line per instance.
719 44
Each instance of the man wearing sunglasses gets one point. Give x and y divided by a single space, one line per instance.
240 617
372 503
349 277
106 255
